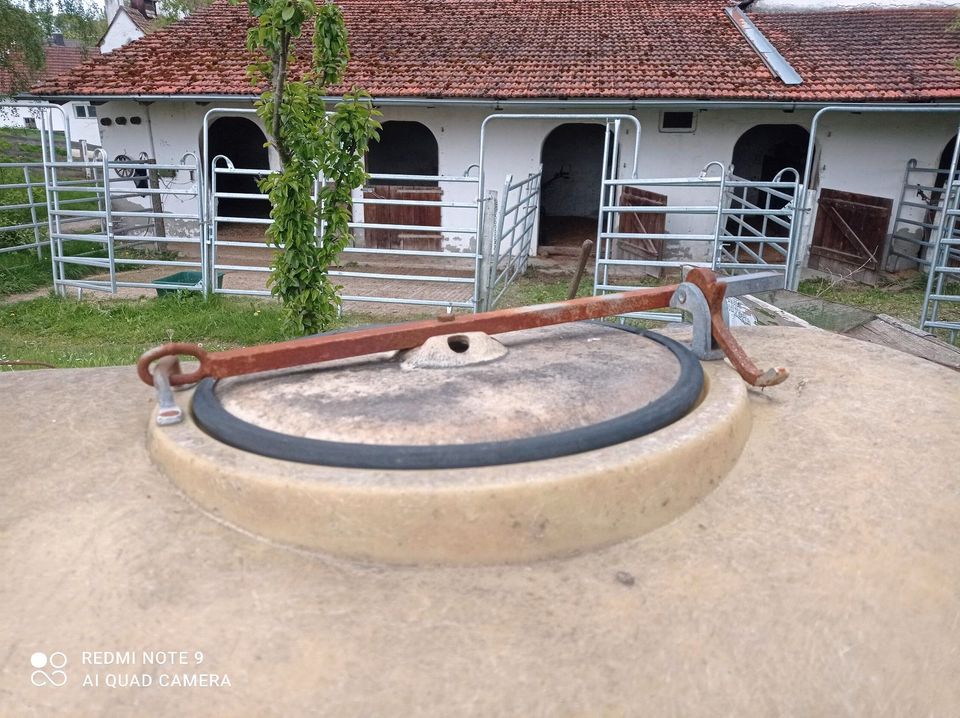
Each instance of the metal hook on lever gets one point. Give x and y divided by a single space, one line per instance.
167 410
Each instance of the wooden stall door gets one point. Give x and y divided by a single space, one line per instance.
653 223
402 214
850 232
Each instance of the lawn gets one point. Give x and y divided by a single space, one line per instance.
902 298
24 271
68 333
104 332
23 145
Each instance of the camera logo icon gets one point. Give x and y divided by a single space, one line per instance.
48 669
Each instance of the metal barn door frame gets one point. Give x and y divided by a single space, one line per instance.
492 237
382 287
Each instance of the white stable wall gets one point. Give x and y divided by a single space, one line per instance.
858 153
167 131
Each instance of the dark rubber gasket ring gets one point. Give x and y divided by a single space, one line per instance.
215 420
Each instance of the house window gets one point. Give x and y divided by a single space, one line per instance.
83 112
678 122
30 122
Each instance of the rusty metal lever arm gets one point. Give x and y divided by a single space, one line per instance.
311 350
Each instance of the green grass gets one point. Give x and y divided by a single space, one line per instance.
105 332
65 332
901 299
69 333
23 271
535 288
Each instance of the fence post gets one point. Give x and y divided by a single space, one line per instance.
84 154
153 182
805 227
33 210
485 242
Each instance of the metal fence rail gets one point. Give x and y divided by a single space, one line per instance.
111 229
17 215
423 267
943 280
518 205
742 229
23 204
613 257
918 212
763 237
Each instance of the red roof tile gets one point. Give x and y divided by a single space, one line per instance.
628 49
869 55
145 24
60 59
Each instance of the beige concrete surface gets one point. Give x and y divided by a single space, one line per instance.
820 578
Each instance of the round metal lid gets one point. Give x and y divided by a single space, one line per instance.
462 401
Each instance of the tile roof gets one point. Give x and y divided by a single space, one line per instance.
145 24
629 49
59 60
869 55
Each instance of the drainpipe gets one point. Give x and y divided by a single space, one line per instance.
153 149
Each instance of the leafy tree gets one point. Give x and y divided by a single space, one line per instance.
956 26
169 11
22 40
78 21
309 142
75 19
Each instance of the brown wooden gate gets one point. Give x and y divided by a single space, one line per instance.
641 223
424 216
850 232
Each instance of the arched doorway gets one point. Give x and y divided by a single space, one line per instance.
764 150
759 155
572 159
946 157
244 143
404 148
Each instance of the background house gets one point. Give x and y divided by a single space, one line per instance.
127 22
61 57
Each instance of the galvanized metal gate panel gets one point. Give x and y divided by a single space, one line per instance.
943 280
127 237
918 213
517 207
744 226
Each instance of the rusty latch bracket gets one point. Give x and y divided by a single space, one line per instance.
691 300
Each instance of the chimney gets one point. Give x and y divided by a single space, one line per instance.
147 8
57 39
